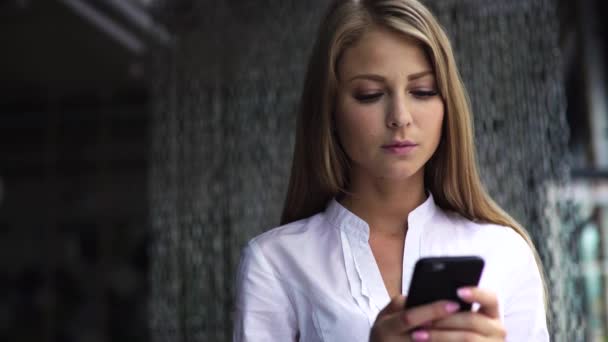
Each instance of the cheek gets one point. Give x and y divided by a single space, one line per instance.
431 119
357 126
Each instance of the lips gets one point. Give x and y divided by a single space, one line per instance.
400 148
398 144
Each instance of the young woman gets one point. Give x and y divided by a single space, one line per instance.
383 174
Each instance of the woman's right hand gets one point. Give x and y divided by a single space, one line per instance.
394 323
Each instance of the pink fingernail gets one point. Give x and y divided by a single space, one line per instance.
420 335
464 293
452 307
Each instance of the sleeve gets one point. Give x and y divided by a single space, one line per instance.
263 309
525 316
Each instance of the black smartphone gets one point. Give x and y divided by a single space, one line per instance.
438 278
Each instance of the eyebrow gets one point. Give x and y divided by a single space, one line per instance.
419 75
379 78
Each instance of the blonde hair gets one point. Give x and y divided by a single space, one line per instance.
320 167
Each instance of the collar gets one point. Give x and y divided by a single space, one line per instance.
345 220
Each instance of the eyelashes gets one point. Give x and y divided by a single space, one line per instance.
368 98
374 97
424 93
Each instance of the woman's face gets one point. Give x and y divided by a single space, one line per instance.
388 112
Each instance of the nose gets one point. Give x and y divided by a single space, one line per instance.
398 115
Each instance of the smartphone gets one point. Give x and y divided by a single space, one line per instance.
438 278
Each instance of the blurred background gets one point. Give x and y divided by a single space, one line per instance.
143 142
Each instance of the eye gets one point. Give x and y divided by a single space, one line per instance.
422 94
368 98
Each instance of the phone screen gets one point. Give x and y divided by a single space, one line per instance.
438 278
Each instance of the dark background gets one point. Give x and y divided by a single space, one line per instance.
74 119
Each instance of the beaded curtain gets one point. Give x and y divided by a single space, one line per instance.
223 133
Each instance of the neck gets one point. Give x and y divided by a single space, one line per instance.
385 204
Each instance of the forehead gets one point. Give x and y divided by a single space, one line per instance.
384 52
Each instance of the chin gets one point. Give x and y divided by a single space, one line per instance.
400 175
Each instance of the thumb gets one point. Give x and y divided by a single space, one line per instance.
396 304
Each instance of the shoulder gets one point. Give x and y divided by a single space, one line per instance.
488 234
291 254
304 231
283 246
451 233
505 250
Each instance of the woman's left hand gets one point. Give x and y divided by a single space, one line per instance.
483 325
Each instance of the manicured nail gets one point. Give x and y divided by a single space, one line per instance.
452 307
420 335
464 293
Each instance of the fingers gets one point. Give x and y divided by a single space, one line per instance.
474 322
379 329
396 304
486 299
439 321
446 336
401 322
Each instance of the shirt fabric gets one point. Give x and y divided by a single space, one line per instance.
316 279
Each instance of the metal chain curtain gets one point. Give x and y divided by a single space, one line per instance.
224 126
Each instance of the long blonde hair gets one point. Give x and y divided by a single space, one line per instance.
320 167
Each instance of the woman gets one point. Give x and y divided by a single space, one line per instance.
384 173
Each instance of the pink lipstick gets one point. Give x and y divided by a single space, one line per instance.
400 147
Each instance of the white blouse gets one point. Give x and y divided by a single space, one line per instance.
316 279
